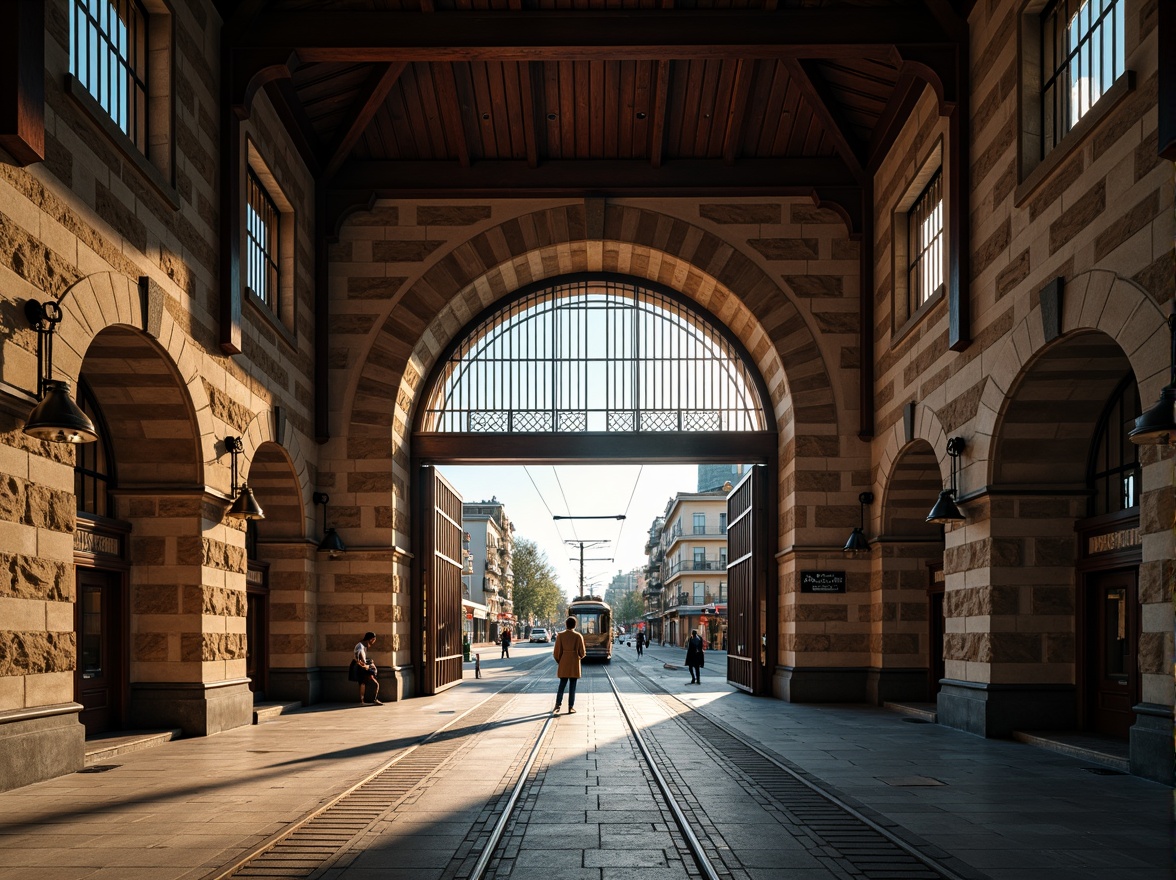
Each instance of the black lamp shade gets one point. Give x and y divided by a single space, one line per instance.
58 418
945 510
1157 426
857 542
332 543
245 506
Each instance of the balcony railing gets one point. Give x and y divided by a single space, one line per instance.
695 565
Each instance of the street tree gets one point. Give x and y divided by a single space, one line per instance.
537 595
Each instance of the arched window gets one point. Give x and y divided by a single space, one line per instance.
93 467
1114 473
596 354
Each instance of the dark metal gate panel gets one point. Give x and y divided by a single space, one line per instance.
441 609
747 585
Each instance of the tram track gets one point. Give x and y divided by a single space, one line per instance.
838 837
857 843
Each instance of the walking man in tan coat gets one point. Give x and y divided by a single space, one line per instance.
568 652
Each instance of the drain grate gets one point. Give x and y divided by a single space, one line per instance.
853 844
916 721
99 768
1104 771
322 839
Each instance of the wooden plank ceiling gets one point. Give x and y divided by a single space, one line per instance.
631 109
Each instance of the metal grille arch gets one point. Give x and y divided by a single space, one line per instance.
596 354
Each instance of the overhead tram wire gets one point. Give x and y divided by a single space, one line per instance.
546 506
564 495
625 517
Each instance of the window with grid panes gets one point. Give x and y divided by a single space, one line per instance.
1115 475
93 469
261 251
925 243
108 56
1082 54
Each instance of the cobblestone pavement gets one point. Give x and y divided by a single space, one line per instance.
188 809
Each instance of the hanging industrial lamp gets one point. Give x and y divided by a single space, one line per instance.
244 505
55 417
1157 426
331 544
945 510
857 543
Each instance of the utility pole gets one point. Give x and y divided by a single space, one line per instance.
582 545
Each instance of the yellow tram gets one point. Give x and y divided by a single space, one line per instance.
594 622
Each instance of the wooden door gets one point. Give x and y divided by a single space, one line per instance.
1112 644
937 626
257 628
750 611
441 612
99 678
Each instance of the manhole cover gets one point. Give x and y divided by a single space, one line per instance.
910 781
99 768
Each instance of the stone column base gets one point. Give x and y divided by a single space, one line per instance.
996 710
289 684
897 685
196 708
820 684
1151 743
40 743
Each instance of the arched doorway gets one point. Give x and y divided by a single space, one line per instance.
155 497
279 573
1110 552
908 632
592 367
100 606
1065 510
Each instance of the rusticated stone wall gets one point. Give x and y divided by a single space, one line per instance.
1101 220
782 274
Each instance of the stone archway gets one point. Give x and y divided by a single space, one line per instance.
180 612
279 583
907 638
383 385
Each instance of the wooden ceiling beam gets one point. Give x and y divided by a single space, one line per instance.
737 113
516 179
293 115
821 101
612 34
533 106
898 109
451 110
660 109
379 84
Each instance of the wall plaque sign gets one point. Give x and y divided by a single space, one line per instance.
1110 541
822 582
96 543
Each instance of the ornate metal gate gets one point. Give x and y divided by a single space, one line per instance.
750 636
441 607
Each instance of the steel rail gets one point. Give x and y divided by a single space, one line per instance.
483 862
909 849
225 872
704 864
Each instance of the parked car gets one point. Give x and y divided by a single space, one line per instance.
539 634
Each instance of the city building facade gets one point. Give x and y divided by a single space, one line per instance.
691 562
941 250
491 579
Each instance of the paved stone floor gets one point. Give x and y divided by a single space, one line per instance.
188 809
